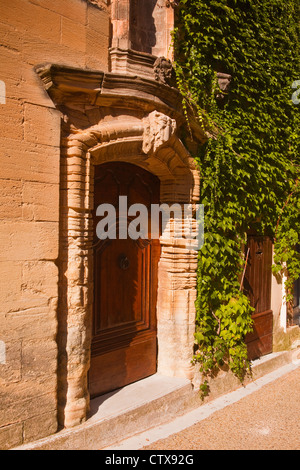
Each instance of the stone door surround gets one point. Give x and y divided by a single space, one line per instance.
113 117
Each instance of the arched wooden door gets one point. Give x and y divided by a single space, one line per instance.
124 344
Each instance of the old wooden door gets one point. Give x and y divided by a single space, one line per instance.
125 285
257 285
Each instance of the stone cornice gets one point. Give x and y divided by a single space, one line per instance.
61 81
97 88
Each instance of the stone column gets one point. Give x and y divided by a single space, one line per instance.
176 310
76 284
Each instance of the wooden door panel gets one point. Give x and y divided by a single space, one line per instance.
260 341
117 368
121 280
125 285
263 324
260 347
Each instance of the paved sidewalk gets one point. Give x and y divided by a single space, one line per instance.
263 415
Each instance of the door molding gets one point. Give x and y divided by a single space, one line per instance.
177 266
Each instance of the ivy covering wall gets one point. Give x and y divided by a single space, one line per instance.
250 163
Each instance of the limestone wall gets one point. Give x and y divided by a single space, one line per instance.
33 32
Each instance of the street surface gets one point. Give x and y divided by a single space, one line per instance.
264 415
268 419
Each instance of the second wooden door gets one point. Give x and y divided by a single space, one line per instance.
257 285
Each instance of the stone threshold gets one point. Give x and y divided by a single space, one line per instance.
143 405
123 413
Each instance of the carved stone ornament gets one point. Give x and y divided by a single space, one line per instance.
167 3
158 129
173 3
224 81
163 71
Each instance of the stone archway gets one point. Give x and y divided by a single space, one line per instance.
150 143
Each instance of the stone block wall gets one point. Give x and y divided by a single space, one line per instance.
33 32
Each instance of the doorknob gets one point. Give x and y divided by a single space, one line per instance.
123 262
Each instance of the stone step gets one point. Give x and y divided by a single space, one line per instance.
143 405
123 413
